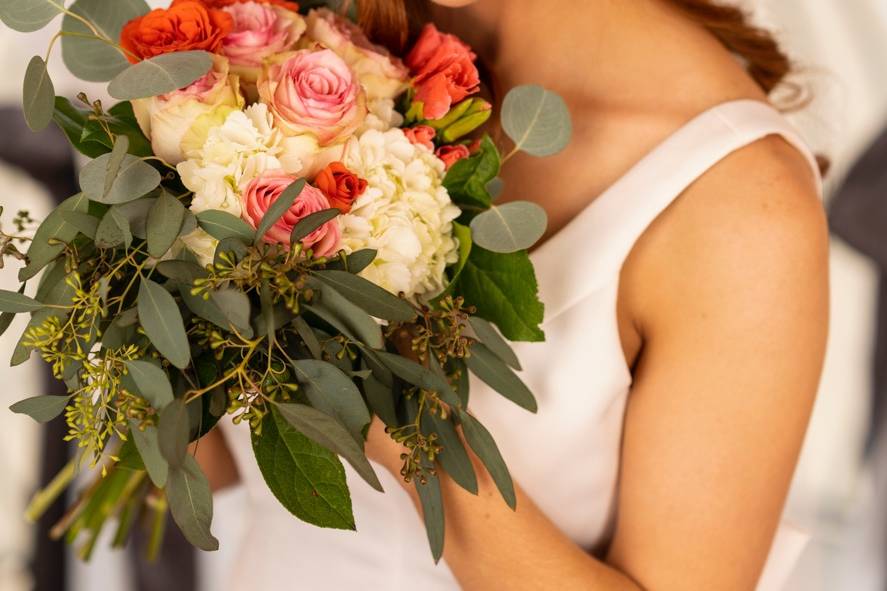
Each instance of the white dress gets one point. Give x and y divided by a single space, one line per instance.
579 376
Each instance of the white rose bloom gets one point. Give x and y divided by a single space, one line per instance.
405 213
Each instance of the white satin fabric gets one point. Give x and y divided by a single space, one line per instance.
567 455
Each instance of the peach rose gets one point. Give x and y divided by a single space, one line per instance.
340 185
313 92
421 135
452 154
443 71
223 3
259 31
168 119
266 188
185 25
382 75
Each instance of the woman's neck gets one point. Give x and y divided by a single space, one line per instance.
605 54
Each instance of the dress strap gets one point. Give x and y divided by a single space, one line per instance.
607 230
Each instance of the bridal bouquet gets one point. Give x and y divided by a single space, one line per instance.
282 222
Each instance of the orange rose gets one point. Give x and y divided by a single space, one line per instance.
223 3
185 25
341 186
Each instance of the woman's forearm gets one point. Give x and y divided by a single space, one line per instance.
489 546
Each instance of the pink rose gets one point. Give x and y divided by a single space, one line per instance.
443 71
313 92
259 32
264 190
421 135
452 154
381 74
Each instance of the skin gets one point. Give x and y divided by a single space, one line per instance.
722 307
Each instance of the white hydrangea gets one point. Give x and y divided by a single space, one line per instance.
235 151
405 214
381 115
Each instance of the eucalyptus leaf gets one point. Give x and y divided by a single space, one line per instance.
312 222
112 231
164 222
14 302
38 95
359 260
453 457
28 16
162 321
50 236
432 513
308 337
6 319
146 441
537 120
484 446
489 336
381 400
418 375
133 179
221 225
184 272
511 227
235 306
307 479
209 310
232 246
41 408
151 382
89 58
160 75
172 433
332 392
492 371
85 223
136 213
191 503
369 296
359 324
279 207
323 429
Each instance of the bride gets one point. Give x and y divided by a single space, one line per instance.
685 283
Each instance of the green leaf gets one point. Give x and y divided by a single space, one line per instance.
306 478
113 231
146 441
279 207
485 448
234 247
308 337
503 288
236 308
493 372
182 271
6 319
38 95
14 302
71 121
463 236
163 224
91 138
209 310
346 317
511 227
221 225
380 399
151 383
50 236
433 513
418 375
91 59
28 16
311 222
136 213
453 458
332 392
160 75
323 429
103 182
489 336
85 223
160 318
41 408
467 179
173 431
537 120
359 260
369 296
191 504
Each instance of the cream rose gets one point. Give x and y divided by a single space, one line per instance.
167 119
313 92
382 75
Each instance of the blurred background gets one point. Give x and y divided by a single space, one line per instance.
841 50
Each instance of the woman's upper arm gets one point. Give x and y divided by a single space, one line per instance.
734 338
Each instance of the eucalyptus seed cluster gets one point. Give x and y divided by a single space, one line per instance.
22 221
439 330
